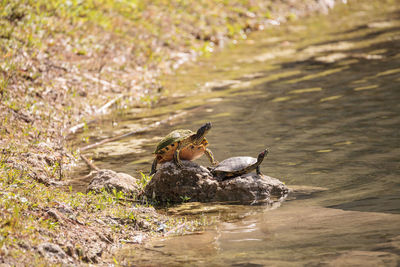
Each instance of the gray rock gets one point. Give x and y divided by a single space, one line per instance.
250 188
110 180
195 183
92 253
53 253
191 183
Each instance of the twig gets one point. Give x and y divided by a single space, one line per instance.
129 200
107 105
98 111
141 130
79 126
90 164
56 67
175 229
103 82
115 138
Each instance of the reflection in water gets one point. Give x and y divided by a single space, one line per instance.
295 234
325 98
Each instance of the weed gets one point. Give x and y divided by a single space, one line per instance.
185 199
143 181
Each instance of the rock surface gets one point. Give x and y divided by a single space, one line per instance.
110 180
170 184
195 183
53 253
250 188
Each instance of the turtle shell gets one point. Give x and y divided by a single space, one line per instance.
166 148
173 137
235 164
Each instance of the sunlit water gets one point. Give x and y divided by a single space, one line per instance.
324 96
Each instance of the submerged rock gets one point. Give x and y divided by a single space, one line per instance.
110 180
196 183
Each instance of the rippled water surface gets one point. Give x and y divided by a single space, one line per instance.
324 96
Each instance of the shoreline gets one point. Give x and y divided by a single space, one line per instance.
64 67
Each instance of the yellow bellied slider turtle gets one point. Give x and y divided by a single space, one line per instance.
183 144
237 166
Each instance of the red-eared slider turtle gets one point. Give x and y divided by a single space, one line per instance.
183 144
237 166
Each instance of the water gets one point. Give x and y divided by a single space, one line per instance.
324 96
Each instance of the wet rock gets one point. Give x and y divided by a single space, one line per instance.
110 180
195 183
250 188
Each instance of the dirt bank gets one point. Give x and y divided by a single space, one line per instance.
66 63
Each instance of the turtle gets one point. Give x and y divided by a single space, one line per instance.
183 144
237 166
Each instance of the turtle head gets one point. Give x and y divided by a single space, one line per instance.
202 131
262 155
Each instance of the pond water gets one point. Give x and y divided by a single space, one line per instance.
323 95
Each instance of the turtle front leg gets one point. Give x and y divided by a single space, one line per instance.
258 170
210 156
177 160
153 167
